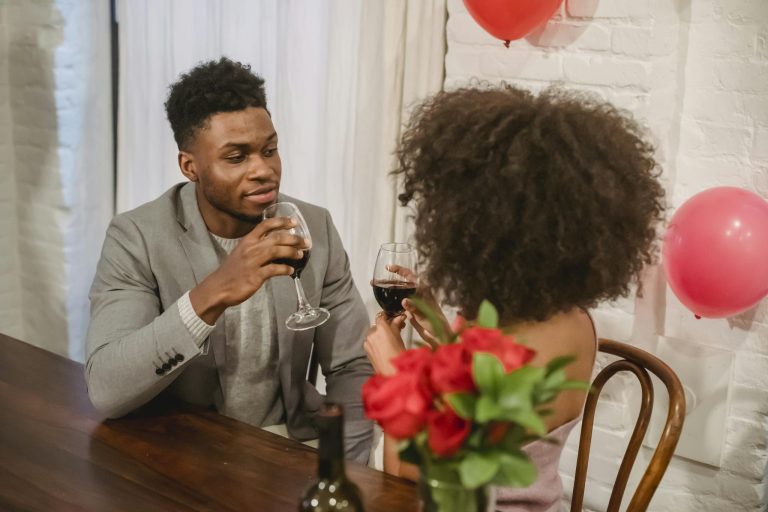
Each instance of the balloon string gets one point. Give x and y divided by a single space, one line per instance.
506 43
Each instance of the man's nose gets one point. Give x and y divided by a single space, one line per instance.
259 169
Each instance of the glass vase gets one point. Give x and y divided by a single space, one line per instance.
440 496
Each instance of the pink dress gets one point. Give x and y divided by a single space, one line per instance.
545 494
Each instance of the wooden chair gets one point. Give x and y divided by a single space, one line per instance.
638 362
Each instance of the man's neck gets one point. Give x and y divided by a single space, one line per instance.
221 223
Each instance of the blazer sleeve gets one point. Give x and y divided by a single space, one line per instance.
340 347
130 335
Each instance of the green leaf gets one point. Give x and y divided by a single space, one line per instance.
463 404
486 409
438 328
409 452
544 396
477 469
475 439
515 438
487 372
576 384
444 471
527 418
554 379
516 470
526 376
559 363
516 388
487 316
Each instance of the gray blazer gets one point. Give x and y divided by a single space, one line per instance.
156 253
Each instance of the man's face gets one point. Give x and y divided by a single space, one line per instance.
235 162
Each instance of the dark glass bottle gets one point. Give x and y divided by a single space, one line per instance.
333 491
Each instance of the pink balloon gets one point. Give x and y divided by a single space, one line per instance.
716 252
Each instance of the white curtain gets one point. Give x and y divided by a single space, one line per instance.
340 75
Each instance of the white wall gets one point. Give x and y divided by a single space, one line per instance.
56 166
696 73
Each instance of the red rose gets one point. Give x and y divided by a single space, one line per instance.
451 369
414 360
446 432
459 323
399 403
511 354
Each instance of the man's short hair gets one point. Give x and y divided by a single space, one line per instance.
209 88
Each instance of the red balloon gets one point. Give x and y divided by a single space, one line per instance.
511 19
716 252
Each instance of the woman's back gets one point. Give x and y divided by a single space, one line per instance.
564 334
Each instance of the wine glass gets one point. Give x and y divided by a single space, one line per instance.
306 316
394 277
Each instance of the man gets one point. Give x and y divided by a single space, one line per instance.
193 270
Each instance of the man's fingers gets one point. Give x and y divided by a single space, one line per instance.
278 252
283 238
275 269
266 226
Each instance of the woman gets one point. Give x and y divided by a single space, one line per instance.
545 205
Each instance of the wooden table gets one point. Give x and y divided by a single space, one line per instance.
58 454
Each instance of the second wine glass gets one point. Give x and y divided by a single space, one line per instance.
306 316
394 277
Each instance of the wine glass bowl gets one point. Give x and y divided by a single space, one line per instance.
394 277
306 316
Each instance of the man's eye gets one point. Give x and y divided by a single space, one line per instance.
270 151
236 159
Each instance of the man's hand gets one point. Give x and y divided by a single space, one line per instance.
247 268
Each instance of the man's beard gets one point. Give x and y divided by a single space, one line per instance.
221 206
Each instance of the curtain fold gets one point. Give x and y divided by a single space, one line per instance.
339 75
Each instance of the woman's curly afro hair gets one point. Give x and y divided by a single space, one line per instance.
207 89
536 203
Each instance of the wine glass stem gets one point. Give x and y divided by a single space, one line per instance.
303 302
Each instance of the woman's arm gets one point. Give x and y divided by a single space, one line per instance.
393 465
383 342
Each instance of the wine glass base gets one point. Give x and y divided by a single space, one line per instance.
307 319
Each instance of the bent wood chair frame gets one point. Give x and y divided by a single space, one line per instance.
639 362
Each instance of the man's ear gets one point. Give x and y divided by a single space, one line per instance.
187 166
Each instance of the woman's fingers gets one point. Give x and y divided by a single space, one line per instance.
404 272
398 322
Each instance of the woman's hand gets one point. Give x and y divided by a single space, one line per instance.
416 318
383 342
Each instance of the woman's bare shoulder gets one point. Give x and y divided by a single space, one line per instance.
570 333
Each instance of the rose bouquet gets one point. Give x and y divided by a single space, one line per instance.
464 409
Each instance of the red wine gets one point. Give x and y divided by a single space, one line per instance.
390 295
333 491
297 264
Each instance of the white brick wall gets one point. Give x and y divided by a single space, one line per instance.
695 72
55 166
10 285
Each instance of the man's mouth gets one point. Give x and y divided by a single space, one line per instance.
262 196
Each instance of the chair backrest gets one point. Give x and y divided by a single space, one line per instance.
638 362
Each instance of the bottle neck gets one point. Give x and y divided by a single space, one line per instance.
331 445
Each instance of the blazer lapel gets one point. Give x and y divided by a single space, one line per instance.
202 257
